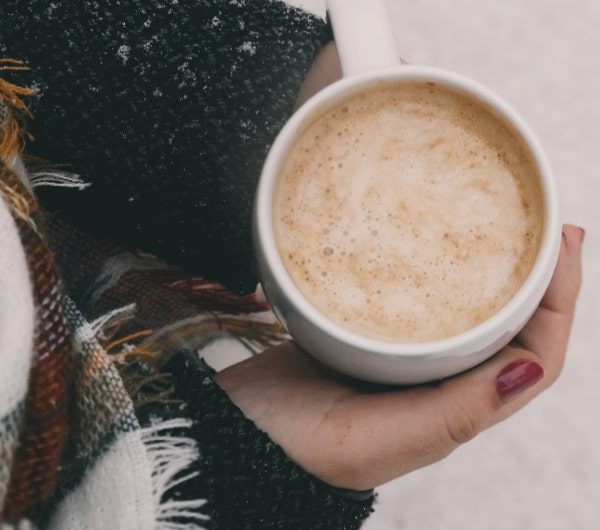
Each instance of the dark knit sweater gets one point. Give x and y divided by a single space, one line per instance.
168 107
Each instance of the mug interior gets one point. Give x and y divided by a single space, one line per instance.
329 97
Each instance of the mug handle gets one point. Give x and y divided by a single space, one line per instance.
363 35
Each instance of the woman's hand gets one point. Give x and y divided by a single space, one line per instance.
358 436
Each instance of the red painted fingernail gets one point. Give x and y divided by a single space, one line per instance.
516 378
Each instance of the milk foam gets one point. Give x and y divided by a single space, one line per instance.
408 213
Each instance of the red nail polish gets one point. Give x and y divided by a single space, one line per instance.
516 378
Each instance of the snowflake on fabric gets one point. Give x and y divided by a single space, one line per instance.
248 47
123 53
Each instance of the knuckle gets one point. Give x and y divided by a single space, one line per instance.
461 424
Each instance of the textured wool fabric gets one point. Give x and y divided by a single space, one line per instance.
101 276
168 108
44 432
16 341
116 474
242 467
49 452
41 417
108 456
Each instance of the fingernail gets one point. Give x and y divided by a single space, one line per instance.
516 378
582 236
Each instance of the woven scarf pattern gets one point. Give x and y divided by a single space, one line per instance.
45 430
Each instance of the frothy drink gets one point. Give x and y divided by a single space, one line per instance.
409 212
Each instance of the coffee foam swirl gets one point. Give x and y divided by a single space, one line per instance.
408 213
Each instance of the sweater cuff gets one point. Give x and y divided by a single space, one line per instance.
352 495
251 482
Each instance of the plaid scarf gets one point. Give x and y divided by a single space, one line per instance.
82 351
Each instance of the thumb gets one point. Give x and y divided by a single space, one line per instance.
411 428
429 422
498 388
475 401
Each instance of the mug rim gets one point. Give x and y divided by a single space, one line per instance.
459 343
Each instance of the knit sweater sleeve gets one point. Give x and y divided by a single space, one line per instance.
249 481
167 107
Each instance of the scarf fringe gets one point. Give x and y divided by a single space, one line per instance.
13 99
257 331
138 366
170 456
103 327
58 179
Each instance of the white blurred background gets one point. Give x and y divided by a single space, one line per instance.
540 470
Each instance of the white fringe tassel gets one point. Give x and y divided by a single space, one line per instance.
170 456
94 331
57 179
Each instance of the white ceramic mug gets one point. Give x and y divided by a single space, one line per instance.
368 54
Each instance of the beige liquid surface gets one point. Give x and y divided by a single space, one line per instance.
408 213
